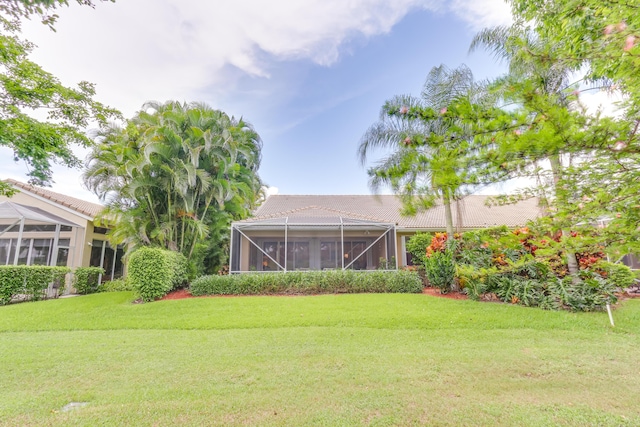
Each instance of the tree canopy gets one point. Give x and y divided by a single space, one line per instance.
428 159
533 123
175 176
25 88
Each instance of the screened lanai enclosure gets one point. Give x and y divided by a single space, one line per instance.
308 243
32 236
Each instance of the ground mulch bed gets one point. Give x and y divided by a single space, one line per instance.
184 293
434 292
179 294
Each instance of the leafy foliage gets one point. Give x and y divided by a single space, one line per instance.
417 246
429 161
440 270
308 283
16 9
585 165
525 267
117 285
176 176
30 281
154 272
618 274
85 279
25 87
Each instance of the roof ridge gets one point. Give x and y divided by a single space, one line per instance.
290 211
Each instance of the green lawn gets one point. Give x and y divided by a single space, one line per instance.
325 360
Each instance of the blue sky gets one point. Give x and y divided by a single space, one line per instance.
310 75
312 132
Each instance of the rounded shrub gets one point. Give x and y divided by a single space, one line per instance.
154 272
85 279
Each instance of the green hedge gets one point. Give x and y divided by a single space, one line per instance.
312 282
31 281
85 279
116 285
154 272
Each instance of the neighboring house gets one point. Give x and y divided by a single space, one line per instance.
351 232
54 229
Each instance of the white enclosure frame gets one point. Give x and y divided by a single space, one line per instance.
22 215
285 224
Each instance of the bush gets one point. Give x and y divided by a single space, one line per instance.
31 281
154 272
417 246
440 270
117 285
308 283
619 274
591 293
85 279
475 282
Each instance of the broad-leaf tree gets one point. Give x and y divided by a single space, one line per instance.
26 88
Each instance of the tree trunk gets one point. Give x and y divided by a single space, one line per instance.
556 170
448 217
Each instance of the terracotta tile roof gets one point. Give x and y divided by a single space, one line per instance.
81 206
470 212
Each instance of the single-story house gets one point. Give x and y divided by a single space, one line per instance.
54 229
362 232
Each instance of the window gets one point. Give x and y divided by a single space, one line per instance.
352 251
5 249
103 255
23 252
298 255
274 250
29 228
63 252
40 252
316 253
329 255
33 252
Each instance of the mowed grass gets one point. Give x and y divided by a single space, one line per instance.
310 361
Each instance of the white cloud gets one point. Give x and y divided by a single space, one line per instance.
480 14
137 50
270 191
170 49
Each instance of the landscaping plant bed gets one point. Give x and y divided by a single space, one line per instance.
184 293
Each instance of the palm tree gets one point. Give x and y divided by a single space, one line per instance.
427 160
183 163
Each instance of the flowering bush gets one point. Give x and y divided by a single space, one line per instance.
525 266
